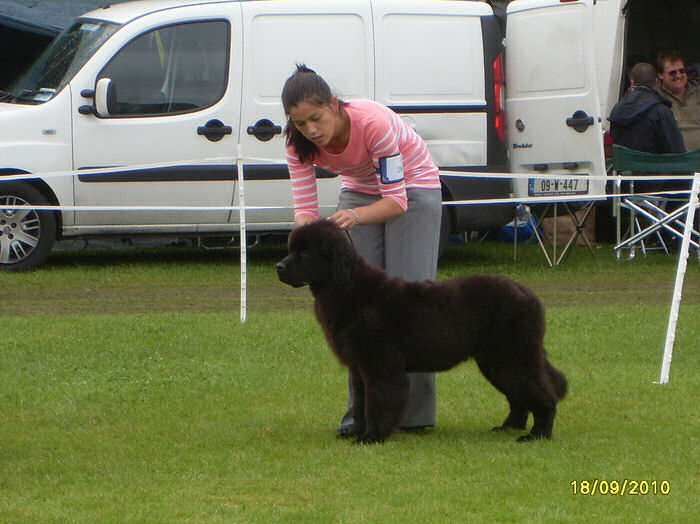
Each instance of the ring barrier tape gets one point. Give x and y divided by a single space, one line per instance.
239 159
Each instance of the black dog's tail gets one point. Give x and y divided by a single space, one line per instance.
561 385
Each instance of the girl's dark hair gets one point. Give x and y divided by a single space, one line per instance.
303 86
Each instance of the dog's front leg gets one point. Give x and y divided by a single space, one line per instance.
385 401
357 387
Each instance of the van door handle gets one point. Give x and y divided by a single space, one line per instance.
264 130
580 121
214 130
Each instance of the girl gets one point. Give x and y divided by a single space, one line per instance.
390 200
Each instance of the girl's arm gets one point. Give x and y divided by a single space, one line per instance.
377 212
304 191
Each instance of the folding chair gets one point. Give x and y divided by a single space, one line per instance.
648 214
549 246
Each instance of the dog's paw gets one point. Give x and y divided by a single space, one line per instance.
414 430
530 437
350 432
369 439
507 427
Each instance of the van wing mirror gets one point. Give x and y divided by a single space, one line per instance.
105 97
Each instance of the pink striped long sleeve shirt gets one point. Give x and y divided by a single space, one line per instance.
376 133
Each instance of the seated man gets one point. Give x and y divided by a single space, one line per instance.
684 94
643 119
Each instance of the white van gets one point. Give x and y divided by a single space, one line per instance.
147 102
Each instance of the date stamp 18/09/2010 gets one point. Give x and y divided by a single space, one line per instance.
626 487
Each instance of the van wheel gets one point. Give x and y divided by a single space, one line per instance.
26 235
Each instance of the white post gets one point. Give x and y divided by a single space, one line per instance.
242 231
618 213
680 275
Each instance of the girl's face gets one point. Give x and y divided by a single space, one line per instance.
318 123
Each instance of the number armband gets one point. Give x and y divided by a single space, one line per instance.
391 168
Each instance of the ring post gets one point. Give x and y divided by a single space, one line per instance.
242 235
680 276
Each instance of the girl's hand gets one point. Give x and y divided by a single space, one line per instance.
302 220
382 210
346 218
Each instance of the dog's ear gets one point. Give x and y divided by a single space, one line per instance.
343 258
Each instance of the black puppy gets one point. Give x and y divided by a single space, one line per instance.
383 328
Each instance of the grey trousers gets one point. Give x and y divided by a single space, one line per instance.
405 247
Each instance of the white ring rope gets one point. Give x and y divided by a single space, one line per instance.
522 200
231 160
223 161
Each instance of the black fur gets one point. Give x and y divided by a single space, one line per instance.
383 328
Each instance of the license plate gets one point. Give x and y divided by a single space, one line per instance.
557 186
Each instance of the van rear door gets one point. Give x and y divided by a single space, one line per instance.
553 111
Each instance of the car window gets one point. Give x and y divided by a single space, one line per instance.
56 66
174 69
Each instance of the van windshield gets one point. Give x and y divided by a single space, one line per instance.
59 62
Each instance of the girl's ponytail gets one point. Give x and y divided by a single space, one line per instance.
303 86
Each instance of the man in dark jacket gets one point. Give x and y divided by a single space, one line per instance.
643 119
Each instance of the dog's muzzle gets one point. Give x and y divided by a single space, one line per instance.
283 274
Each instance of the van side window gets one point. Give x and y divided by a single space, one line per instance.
173 69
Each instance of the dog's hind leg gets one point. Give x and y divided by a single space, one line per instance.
517 417
527 389
503 380
550 387
544 420
540 394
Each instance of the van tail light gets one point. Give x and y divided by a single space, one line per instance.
499 98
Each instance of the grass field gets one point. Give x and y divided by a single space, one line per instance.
131 392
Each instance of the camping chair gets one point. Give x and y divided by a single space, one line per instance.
578 214
646 207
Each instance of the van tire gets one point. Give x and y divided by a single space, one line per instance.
26 238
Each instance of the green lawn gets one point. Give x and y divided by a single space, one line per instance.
131 392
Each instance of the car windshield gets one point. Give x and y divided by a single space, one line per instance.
59 62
